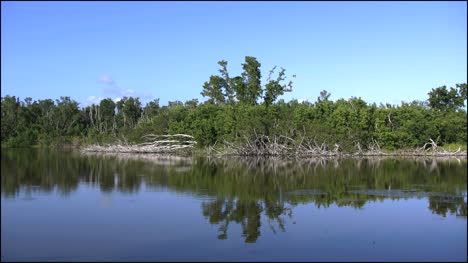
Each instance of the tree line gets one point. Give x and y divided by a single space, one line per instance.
240 107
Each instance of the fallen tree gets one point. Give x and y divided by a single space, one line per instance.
264 146
286 146
175 143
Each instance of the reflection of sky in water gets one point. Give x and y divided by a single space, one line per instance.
127 208
159 224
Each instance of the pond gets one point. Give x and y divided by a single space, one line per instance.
70 206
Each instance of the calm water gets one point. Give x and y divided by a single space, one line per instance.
66 206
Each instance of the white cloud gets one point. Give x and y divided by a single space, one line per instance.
106 80
116 93
90 100
121 92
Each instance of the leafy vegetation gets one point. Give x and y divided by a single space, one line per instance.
240 107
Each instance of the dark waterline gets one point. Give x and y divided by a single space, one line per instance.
66 206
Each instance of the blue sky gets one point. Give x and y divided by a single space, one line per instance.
379 51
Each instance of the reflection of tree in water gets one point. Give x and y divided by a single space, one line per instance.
442 205
222 211
247 188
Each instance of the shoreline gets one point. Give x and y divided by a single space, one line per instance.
207 153
231 152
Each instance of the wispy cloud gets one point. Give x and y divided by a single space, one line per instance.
90 100
114 92
106 79
121 92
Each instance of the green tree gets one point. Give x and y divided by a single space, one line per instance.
229 91
214 89
107 111
10 107
151 109
252 79
274 89
240 89
462 90
65 115
129 111
446 100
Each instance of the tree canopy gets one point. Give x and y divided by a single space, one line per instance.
240 107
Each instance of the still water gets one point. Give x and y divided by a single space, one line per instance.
68 206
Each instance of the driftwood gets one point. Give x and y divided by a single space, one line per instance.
264 146
156 144
277 146
286 146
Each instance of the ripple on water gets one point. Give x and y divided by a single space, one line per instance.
307 192
401 193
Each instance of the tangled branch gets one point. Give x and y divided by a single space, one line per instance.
158 144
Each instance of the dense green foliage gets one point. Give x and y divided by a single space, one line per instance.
240 107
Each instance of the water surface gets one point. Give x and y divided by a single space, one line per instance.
67 206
